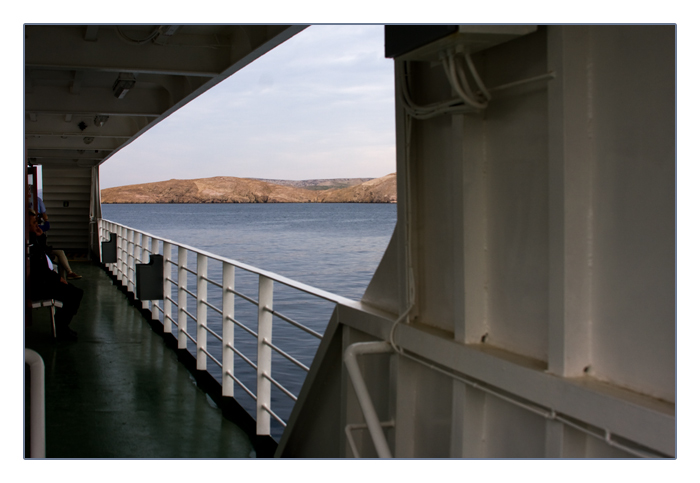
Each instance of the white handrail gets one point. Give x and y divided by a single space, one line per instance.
37 418
130 248
373 424
331 297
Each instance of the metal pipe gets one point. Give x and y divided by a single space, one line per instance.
373 424
167 288
181 297
37 434
202 268
547 76
228 278
265 287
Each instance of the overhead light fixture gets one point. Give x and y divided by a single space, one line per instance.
123 84
88 140
100 120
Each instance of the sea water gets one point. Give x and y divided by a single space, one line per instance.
335 247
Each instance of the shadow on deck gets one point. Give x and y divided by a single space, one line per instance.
119 391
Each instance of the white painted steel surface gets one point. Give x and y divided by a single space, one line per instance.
373 424
264 353
37 434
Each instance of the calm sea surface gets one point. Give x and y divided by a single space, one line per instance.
335 247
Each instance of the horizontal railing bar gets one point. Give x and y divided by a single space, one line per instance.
158 307
211 357
285 355
383 424
245 297
171 300
187 291
171 280
250 331
243 386
213 307
170 318
190 315
189 336
242 356
272 413
193 272
331 297
213 282
213 333
295 323
280 386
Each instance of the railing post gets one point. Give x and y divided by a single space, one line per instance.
119 265
167 288
146 251
130 267
227 355
124 257
116 265
202 263
264 354
181 298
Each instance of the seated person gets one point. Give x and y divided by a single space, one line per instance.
43 222
44 283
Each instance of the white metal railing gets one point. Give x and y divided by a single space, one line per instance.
37 418
134 246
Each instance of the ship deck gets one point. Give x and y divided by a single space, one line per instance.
119 391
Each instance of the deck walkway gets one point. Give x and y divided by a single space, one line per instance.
118 391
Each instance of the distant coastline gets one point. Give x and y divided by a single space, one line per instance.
226 189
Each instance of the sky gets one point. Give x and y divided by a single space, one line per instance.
320 105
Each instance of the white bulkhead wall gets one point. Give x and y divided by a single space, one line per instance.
543 226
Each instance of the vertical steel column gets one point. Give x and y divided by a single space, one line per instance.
130 267
114 267
120 253
227 355
138 256
181 298
167 288
264 354
125 257
143 252
202 263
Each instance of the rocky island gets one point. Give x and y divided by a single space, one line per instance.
227 189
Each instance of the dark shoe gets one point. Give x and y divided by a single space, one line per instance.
73 276
67 334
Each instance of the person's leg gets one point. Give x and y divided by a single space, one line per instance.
71 296
66 271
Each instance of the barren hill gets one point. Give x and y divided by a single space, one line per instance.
226 189
379 190
318 184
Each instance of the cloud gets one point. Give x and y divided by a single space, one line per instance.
319 105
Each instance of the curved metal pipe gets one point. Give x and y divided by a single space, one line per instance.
37 434
373 424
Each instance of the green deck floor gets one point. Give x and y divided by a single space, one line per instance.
118 391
